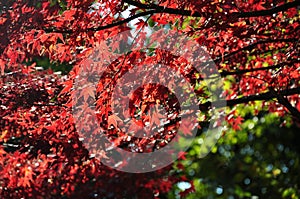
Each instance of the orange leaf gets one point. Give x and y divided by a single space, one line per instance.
112 120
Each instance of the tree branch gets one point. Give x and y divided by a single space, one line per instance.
197 14
240 72
161 9
263 96
282 100
271 11
249 47
106 26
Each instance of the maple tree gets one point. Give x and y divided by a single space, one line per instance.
254 45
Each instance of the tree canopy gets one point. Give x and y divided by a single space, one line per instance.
67 67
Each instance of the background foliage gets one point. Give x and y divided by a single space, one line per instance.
255 46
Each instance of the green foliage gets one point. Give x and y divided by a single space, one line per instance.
259 161
45 63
